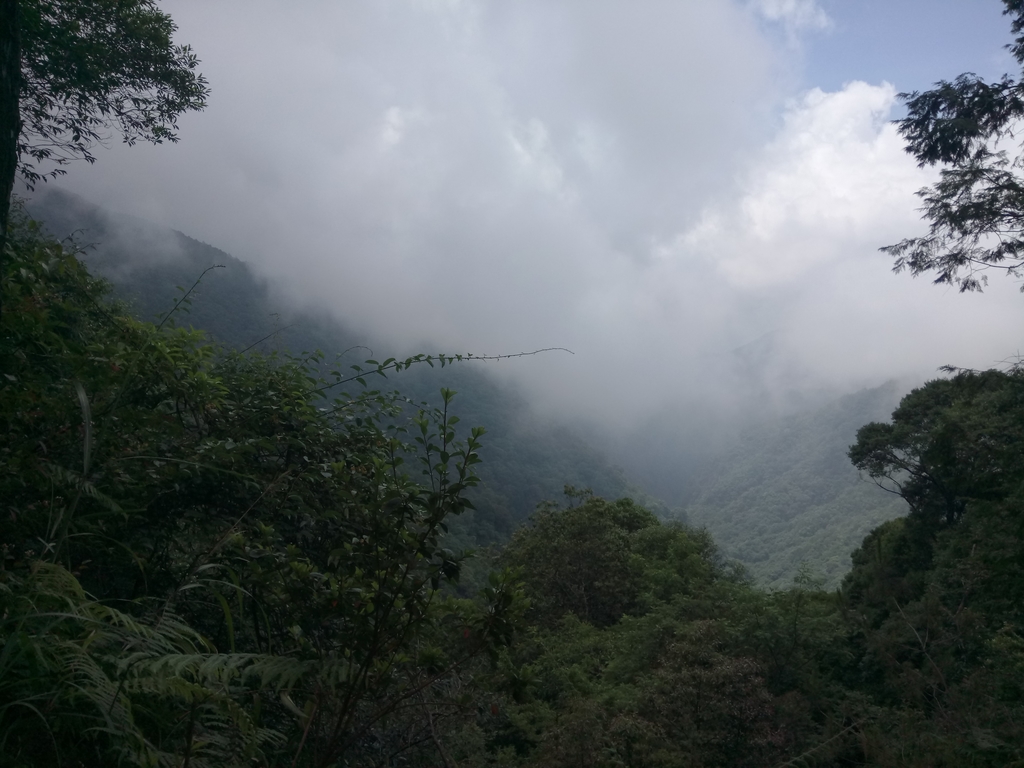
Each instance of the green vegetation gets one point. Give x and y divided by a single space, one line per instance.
785 496
643 649
530 460
208 561
937 595
91 65
975 208
214 557
71 70
203 560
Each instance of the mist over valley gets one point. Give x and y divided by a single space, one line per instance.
511 385
694 466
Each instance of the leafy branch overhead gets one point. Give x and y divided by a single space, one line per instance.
90 67
395 365
976 209
72 71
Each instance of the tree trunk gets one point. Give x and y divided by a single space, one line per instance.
10 117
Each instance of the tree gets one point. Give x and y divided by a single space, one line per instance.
976 209
950 442
94 65
933 602
579 559
72 70
933 599
279 575
10 121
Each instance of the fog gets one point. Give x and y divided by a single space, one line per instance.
658 186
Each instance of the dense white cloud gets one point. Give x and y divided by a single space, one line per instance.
624 179
802 236
837 175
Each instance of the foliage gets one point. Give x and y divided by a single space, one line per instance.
210 559
934 599
86 682
975 208
785 495
529 459
949 442
579 560
695 668
917 661
92 65
174 479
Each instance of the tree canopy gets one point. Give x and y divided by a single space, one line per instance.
976 209
72 70
91 66
204 557
214 558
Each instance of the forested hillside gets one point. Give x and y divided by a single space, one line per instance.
195 540
785 495
219 549
203 565
529 460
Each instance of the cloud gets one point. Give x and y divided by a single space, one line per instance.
801 237
796 15
836 174
609 177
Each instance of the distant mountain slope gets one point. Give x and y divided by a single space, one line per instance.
525 461
148 265
784 495
787 494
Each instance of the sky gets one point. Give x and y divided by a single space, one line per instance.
689 195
